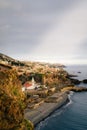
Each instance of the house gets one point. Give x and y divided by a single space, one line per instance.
29 85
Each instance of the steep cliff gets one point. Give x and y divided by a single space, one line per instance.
12 103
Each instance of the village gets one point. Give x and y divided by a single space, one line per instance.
39 81
36 93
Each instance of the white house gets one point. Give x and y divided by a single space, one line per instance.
29 85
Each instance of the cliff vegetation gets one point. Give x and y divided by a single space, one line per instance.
12 103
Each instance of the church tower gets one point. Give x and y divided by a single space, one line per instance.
33 81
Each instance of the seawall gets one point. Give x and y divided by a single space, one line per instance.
45 109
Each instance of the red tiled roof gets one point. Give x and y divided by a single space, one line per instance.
27 84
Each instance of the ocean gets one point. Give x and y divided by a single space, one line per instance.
72 116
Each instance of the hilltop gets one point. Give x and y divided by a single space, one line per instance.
4 59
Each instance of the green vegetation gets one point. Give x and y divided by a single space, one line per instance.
56 79
12 103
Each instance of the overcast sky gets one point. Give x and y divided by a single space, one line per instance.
44 30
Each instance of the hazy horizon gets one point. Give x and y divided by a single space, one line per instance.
44 30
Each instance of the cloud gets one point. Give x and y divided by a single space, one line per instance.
83 49
26 21
51 30
4 4
13 5
63 39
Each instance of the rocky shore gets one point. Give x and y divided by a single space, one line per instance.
49 106
45 109
75 89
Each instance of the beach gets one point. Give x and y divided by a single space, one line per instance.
45 109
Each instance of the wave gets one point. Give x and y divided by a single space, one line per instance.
56 113
70 100
43 123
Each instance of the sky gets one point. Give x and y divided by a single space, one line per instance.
44 30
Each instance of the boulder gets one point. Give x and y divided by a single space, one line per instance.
75 81
85 81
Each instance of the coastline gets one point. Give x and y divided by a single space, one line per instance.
46 109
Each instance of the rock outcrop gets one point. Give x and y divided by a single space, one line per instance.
85 81
74 88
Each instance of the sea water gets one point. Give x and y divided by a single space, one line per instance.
72 116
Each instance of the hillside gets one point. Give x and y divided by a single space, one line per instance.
10 61
44 73
12 103
4 57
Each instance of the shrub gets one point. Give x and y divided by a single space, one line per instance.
12 102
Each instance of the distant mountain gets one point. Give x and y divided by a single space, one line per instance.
4 59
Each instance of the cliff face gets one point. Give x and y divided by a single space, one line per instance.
12 103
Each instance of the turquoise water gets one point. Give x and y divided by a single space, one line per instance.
72 116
